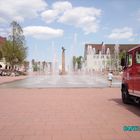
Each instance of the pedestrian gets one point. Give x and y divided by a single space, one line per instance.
110 78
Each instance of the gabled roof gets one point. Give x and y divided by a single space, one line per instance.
2 40
134 48
98 47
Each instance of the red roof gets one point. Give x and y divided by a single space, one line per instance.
98 47
2 40
134 48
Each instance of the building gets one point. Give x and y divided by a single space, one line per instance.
2 40
99 57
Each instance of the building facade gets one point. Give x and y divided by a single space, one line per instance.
100 57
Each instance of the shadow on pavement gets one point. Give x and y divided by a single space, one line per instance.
134 108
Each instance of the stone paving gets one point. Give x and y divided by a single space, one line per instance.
66 114
7 79
62 81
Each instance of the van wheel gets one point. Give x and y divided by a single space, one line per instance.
125 96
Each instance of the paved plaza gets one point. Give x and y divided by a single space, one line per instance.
66 81
66 114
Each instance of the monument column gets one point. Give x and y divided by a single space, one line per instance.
63 61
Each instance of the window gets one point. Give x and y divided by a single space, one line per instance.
138 57
129 60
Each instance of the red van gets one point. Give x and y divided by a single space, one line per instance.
131 76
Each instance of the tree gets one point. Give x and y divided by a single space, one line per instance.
8 51
74 62
1 55
33 62
43 65
79 62
122 54
14 50
26 65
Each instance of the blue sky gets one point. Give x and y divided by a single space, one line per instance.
49 24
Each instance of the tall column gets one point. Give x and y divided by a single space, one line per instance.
63 61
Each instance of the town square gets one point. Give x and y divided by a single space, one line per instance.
69 70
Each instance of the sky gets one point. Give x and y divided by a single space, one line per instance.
50 24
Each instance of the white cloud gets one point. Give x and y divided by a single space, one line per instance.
4 32
49 15
2 20
121 33
80 17
57 9
20 9
42 32
62 6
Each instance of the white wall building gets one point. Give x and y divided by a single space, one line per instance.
99 57
97 60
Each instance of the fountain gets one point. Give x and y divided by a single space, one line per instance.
108 57
90 79
116 55
94 51
55 69
103 49
108 51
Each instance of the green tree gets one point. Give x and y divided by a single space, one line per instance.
43 65
122 54
74 62
79 62
8 51
15 50
1 54
26 65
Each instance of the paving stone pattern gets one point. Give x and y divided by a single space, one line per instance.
66 114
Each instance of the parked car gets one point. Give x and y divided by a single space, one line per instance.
131 76
6 72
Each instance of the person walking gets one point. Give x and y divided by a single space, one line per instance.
110 78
